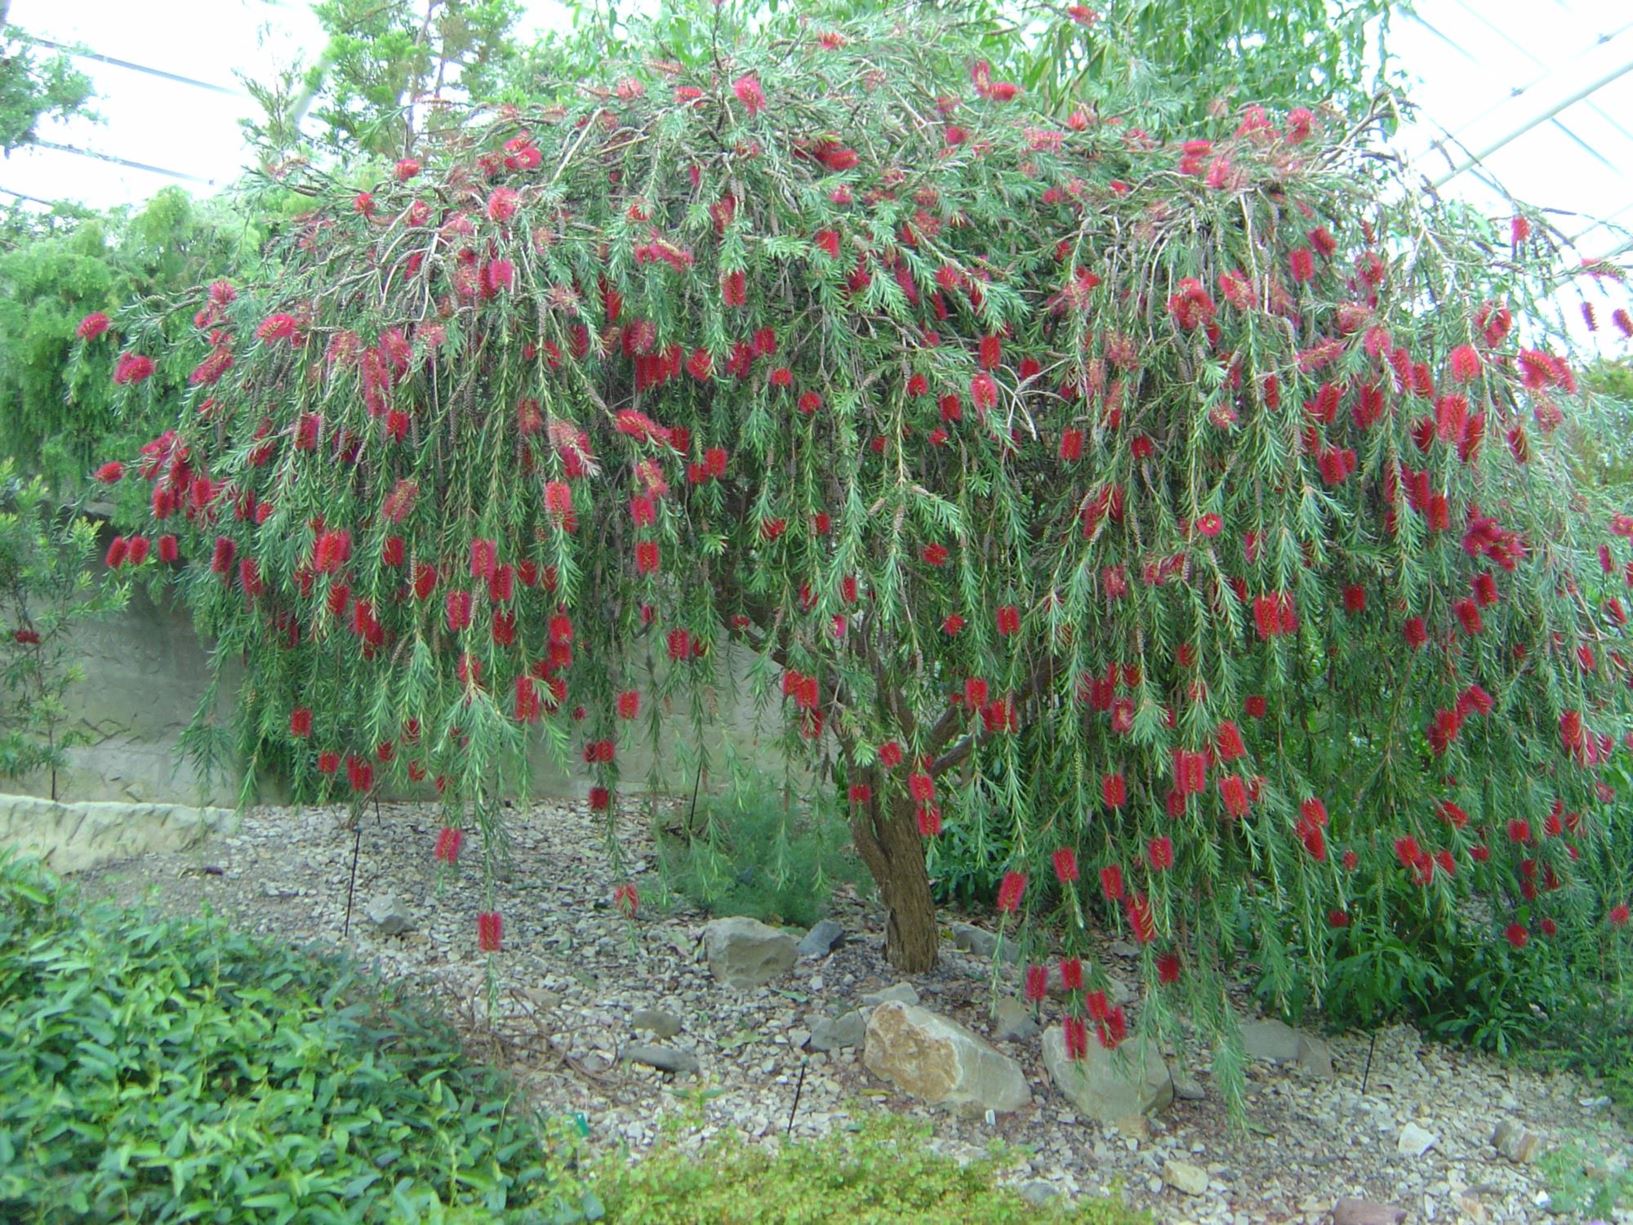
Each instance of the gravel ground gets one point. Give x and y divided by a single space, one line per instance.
574 971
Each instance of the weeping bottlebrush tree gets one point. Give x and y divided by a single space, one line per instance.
1186 514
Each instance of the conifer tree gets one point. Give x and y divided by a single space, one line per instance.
1188 512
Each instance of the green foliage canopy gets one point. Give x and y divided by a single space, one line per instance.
1184 510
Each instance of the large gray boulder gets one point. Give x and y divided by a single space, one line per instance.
744 952
939 1061
1108 1085
1277 1042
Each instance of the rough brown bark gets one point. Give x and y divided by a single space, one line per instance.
887 838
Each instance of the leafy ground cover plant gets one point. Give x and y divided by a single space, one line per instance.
1185 513
881 1171
170 1070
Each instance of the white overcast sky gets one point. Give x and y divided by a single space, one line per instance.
1484 70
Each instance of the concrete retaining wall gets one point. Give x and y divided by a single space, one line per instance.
146 672
73 837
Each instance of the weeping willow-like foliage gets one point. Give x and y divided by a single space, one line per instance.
1185 516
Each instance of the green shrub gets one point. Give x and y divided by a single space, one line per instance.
46 588
755 850
882 1172
165 1070
1583 1184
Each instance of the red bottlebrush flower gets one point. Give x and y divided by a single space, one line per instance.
484 557
646 557
1233 791
1485 589
111 472
860 794
748 91
1114 790
1516 935
1076 1034
1168 968
921 787
929 819
328 761
627 898
1301 265
93 325
300 722
951 624
457 607
975 693
527 705
1159 853
449 840
502 584
1416 632
1228 742
990 352
629 704
1037 983
359 774
1011 889
1468 616
809 402
425 580
1548 926
132 368
1519 831
1071 973
502 204
984 392
600 799
1254 706
935 554
1465 364
1519 229
952 409
1111 882
1009 620
118 551
221 556
393 551
1065 861
169 549
1138 912
1355 600
890 754
1071 445
1618 915
489 931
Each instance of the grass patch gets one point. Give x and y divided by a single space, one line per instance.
756 850
165 1070
879 1173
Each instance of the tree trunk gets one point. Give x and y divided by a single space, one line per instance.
887 837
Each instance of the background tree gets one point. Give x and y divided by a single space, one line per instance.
1119 495
62 408
33 87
